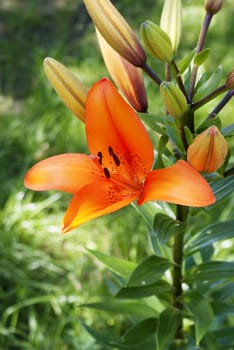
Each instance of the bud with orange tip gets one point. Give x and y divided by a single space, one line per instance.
208 151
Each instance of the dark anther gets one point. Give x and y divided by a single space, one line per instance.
114 156
106 173
99 157
116 159
110 151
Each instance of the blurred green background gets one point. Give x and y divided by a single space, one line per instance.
45 275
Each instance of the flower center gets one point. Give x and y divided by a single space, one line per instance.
117 169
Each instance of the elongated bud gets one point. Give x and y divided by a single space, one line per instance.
208 150
213 6
126 76
67 85
156 41
116 31
170 21
230 80
173 98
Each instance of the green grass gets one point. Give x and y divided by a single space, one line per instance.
44 275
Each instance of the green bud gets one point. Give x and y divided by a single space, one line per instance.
170 21
173 98
156 41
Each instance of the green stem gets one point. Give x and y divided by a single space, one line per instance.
200 45
151 74
179 79
178 255
209 97
221 104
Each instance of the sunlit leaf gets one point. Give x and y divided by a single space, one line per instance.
209 235
117 265
201 57
185 62
149 271
209 85
168 323
126 307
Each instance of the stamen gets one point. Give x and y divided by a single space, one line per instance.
106 173
99 157
114 156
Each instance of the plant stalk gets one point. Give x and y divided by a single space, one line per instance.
200 45
178 255
152 74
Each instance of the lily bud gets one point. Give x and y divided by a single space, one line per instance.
213 6
230 80
208 150
116 31
156 41
173 98
171 21
67 85
126 76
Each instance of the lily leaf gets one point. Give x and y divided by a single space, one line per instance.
120 266
169 321
211 271
201 57
160 288
209 85
209 235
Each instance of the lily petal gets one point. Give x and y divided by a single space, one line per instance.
110 121
65 172
95 200
179 184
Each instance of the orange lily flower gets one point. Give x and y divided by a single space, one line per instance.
118 171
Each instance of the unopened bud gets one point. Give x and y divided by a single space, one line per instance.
230 80
173 98
213 6
67 85
156 41
208 150
126 76
171 21
116 31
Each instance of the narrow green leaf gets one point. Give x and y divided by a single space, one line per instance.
165 227
211 271
209 85
222 188
228 130
160 288
120 266
201 57
188 135
202 312
139 333
222 308
174 135
225 337
185 62
137 308
149 271
169 321
154 122
209 235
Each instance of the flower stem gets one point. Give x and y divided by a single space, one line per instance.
221 104
200 45
209 97
178 255
151 74
179 79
